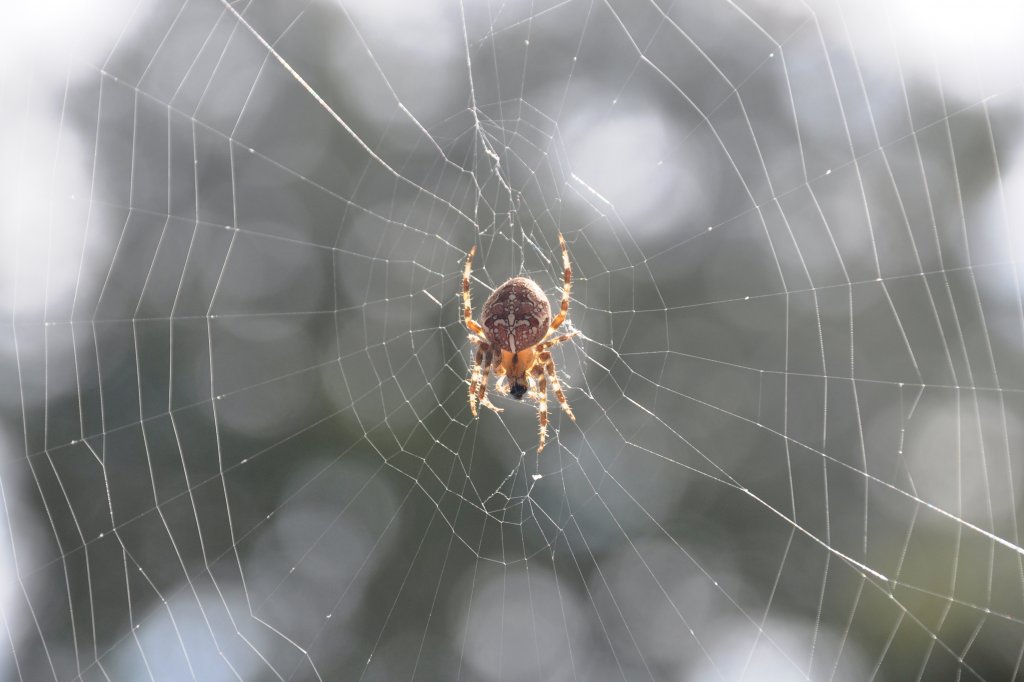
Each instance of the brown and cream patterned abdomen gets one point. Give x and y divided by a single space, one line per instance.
516 315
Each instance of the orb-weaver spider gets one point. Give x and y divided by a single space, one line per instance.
512 340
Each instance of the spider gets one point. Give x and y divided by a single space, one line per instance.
512 340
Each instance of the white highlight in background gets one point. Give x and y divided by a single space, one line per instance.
636 161
782 649
973 48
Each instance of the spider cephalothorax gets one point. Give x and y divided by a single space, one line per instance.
512 341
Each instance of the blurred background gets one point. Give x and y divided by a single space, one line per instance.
234 437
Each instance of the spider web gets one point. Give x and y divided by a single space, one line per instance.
236 437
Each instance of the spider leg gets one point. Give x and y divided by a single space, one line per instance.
544 345
474 377
542 408
481 394
501 380
567 278
549 368
467 309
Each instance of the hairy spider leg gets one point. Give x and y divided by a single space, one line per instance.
475 376
501 378
549 367
544 345
542 409
567 277
467 309
481 394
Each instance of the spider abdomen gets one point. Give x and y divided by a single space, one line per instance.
516 315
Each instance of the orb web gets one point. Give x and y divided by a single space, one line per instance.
236 436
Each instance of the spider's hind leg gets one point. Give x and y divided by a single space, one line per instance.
544 345
475 375
549 368
542 398
481 395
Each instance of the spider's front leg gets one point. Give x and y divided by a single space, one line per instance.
566 285
467 308
501 379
